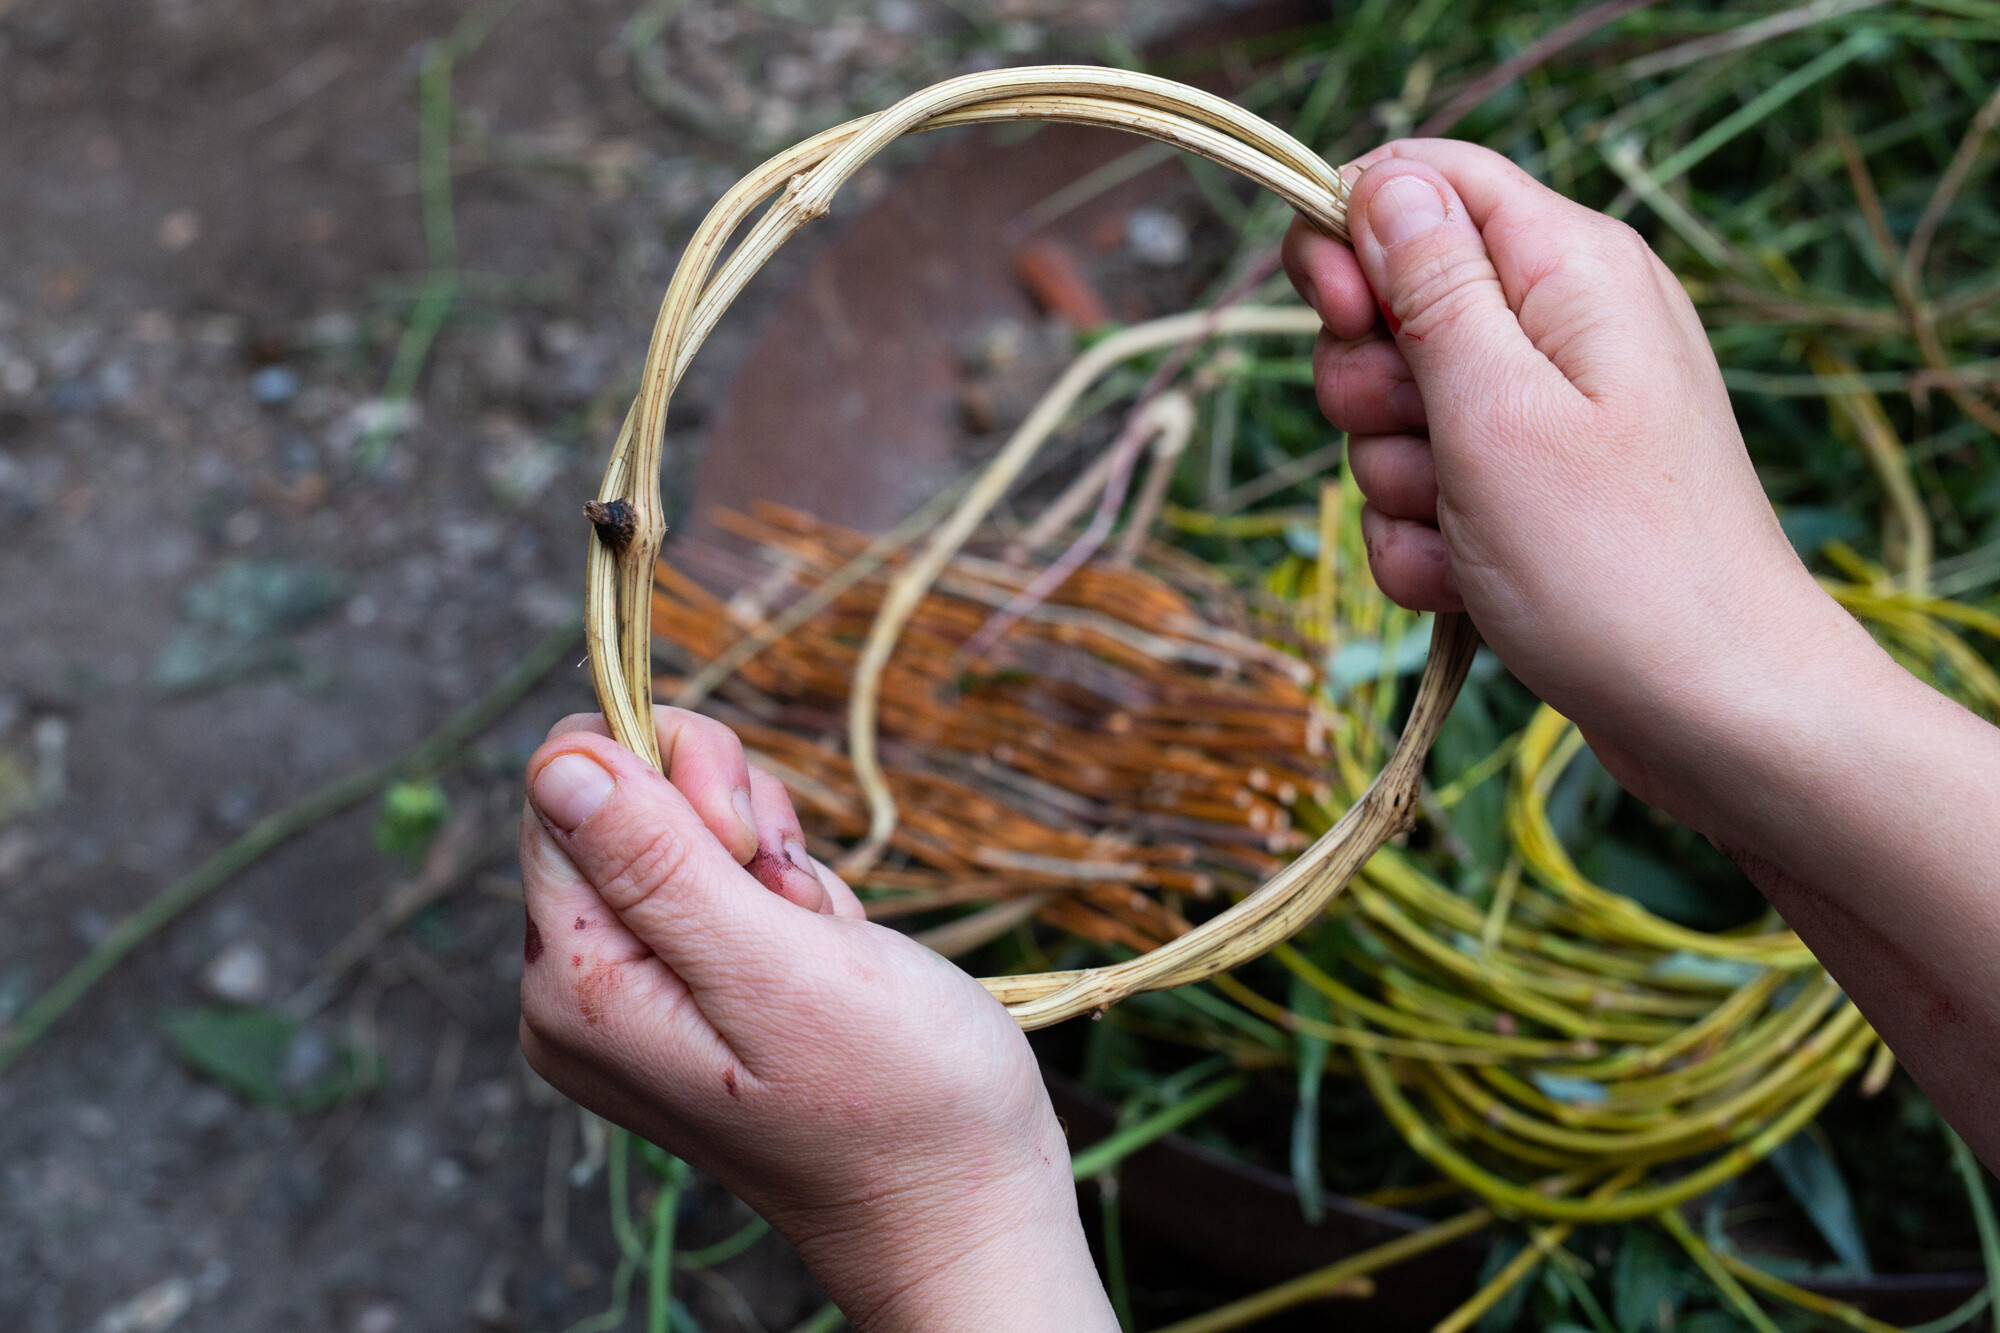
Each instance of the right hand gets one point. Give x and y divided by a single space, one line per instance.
1544 440
693 975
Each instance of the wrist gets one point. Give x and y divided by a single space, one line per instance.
1743 731
981 1250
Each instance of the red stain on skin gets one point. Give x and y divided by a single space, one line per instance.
594 992
1395 325
531 942
581 923
729 1083
767 869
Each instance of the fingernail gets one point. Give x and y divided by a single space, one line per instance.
1403 209
795 852
739 801
569 789
1407 402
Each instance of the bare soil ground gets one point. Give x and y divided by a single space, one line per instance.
210 236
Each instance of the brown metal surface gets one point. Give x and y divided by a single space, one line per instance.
846 405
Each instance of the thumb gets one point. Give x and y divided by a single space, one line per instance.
654 862
1422 252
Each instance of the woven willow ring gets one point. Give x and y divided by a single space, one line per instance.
630 524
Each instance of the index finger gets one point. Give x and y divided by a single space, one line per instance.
1327 277
705 761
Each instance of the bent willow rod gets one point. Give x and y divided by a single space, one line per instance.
629 518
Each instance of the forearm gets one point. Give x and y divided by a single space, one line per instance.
1866 806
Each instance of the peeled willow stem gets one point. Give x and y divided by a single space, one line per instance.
629 516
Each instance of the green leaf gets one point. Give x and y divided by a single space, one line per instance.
411 815
431 929
1582 799
1114 1060
1645 1285
1814 1179
242 1049
198 658
248 598
17 990
1711 1321
1506 1311
1809 527
1360 661
1657 886
1213 1006
20 794
252 1053
1469 735
1650 882
1312 1052
1683 965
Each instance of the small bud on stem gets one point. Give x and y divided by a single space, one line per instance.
616 522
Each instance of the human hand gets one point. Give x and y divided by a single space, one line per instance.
1543 439
693 975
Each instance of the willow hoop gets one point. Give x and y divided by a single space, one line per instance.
630 522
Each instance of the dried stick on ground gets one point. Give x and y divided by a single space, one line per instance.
458 852
273 831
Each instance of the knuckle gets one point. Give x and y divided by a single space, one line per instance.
1617 242
658 860
767 787
1442 288
569 722
690 738
715 736
1348 377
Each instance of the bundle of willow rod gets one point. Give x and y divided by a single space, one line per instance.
1558 1030
1118 739
1575 1031
1569 1031
630 523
